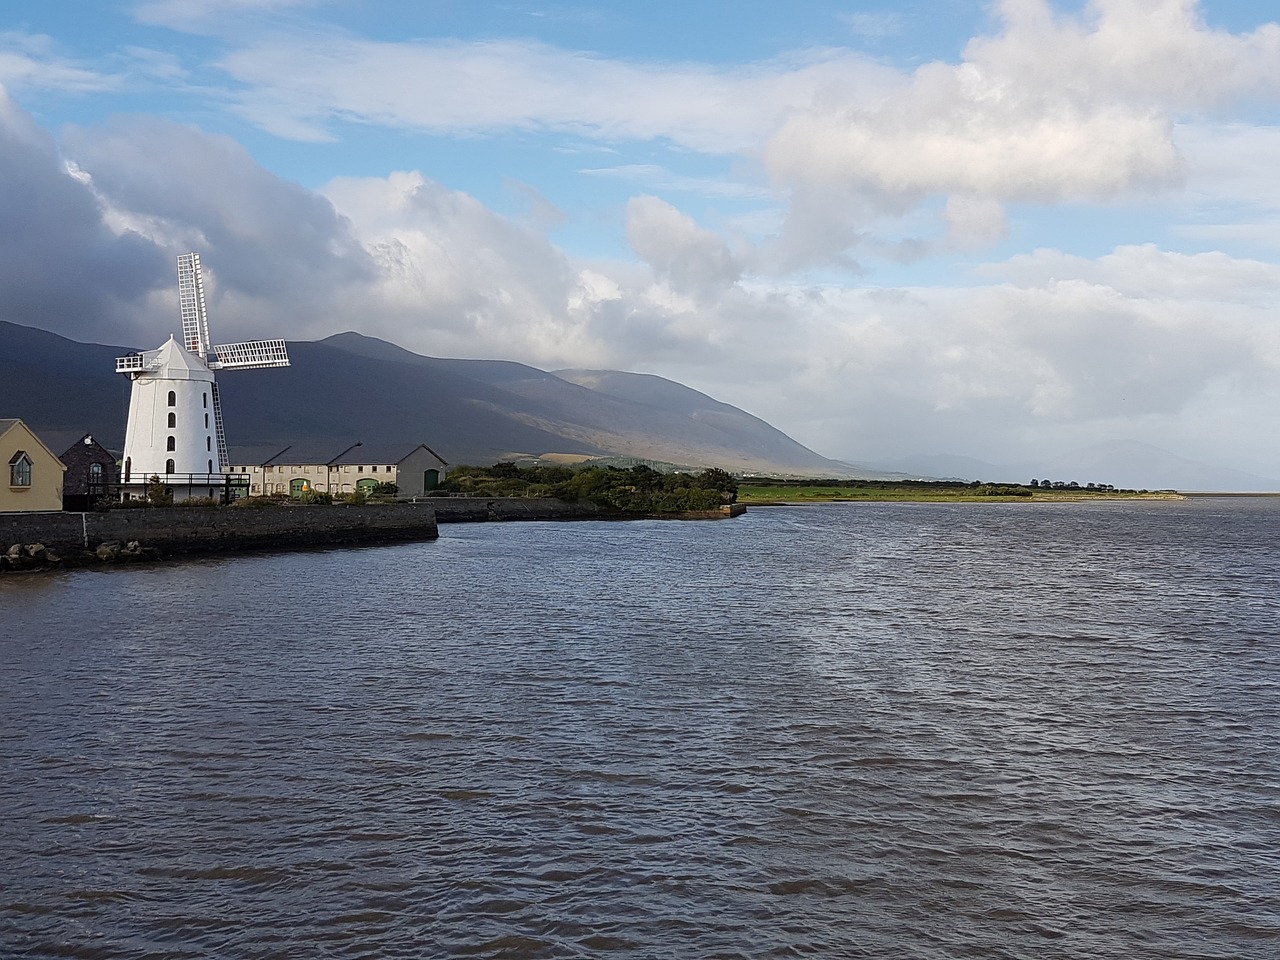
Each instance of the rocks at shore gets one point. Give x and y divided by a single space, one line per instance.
37 556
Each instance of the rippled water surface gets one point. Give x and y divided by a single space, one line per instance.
880 730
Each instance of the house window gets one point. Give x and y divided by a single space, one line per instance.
173 420
96 477
168 466
173 399
20 470
170 444
360 469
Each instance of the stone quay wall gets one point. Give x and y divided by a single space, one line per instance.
172 530
481 509
214 529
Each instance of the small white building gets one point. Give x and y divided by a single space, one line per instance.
297 469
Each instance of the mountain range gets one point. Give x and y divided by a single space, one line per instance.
350 387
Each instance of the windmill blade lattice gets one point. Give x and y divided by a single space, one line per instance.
195 319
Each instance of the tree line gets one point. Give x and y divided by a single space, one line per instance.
638 489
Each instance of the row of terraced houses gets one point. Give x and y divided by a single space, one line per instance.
60 470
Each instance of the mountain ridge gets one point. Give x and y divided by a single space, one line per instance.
350 386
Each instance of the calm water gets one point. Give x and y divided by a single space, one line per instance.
919 731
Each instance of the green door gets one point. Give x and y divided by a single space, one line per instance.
367 485
298 486
430 479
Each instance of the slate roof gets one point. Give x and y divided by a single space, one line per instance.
329 454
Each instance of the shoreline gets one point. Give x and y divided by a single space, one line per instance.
56 540
1085 498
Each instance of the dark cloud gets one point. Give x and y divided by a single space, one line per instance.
61 267
265 239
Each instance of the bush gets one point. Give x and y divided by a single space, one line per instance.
158 495
638 489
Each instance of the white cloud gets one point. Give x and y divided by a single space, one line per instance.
873 26
694 261
301 87
651 176
1053 109
1146 272
31 62
199 15
456 278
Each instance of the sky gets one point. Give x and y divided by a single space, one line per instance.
1005 230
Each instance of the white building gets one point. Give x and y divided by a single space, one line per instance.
174 431
338 469
172 428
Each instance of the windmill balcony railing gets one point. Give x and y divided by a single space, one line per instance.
135 361
188 479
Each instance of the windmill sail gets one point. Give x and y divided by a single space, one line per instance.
195 319
249 355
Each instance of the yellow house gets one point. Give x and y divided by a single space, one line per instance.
34 473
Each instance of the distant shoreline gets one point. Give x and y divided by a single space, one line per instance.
1209 495
872 495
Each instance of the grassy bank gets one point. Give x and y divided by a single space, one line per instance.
837 491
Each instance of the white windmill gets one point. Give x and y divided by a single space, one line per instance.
175 419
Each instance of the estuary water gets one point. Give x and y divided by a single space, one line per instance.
871 730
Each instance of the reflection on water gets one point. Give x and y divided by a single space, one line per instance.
889 730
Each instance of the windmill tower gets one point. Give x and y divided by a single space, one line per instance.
175 419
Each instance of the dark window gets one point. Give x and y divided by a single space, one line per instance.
170 444
128 468
168 466
204 397
173 420
208 443
211 469
173 399
20 470
206 421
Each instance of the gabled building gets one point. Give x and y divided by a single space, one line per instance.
34 473
414 469
92 473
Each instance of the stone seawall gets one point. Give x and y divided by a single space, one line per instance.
216 529
481 509
75 537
